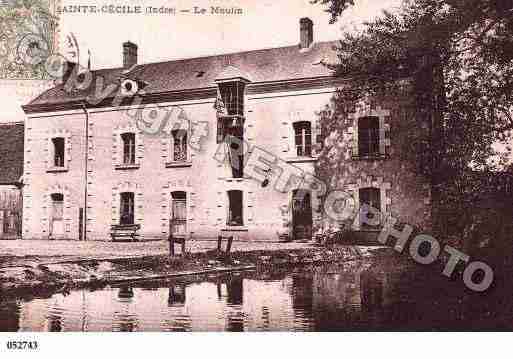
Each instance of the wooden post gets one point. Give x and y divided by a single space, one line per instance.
171 244
229 244
219 240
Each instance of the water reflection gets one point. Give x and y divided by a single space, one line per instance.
331 300
54 322
125 294
176 295
9 316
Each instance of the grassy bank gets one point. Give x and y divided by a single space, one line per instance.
41 275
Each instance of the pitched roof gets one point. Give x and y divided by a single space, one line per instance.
11 152
268 65
232 72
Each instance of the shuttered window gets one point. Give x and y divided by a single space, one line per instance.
128 148
372 197
303 138
368 137
127 208
57 206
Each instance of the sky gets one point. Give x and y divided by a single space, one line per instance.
263 24
161 37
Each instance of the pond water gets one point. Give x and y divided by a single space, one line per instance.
321 299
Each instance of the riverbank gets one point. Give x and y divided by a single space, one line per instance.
32 275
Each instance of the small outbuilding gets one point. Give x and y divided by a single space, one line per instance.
11 173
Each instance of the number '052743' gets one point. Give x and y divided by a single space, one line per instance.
22 345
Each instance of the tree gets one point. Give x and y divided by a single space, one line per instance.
457 58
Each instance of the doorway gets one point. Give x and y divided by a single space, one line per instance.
301 215
178 222
56 218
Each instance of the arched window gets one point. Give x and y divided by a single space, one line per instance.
303 138
368 137
128 148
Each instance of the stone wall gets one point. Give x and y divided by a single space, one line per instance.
266 211
404 193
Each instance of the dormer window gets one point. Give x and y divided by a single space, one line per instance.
179 145
232 94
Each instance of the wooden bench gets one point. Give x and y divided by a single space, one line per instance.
125 232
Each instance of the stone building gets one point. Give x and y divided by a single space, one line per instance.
369 155
11 171
147 144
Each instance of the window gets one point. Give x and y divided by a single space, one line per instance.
128 148
368 137
58 151
126 208
179 145
371 197
235 208
303 138
178 212
234 127
57 206
232 94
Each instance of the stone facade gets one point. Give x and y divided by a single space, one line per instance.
404 193
268 125
93 164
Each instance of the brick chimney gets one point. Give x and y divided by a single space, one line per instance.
306 33
129 54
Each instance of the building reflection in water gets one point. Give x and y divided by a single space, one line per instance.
325 301
124 319
371 291
177 295
235 301
176 318
9 316
54 319
348 300
235 289
303 299
125 294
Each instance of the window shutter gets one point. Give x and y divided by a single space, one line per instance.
220 214
220 130
249 131
251 206
356 140
192 198
285 133
382 136
317 139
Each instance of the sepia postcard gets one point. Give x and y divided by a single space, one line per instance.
255 165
